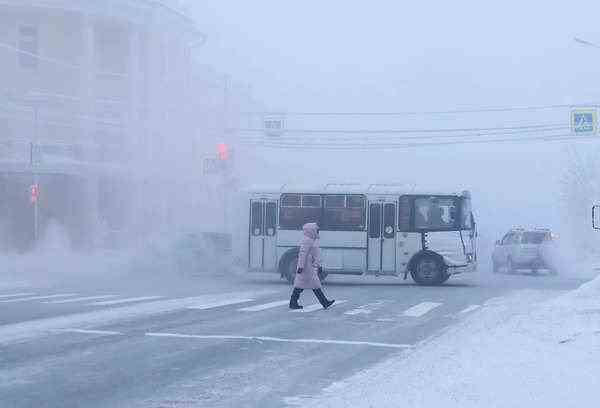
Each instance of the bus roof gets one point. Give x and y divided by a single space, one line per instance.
348 188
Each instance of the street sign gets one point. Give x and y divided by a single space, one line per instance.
274 124
584 121
214 165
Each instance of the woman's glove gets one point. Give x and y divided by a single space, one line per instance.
300 270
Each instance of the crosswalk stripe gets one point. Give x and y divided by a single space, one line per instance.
82 299
280 340
12 295
265 306
83 331
317 306
103 316
121 301
421 309
27 299
469 309
368 308
220 303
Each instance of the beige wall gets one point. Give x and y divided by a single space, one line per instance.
133 94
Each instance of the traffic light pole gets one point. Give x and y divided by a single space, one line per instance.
35 177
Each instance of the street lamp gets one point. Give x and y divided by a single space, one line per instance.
586 43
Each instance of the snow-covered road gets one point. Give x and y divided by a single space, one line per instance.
522 350
230 341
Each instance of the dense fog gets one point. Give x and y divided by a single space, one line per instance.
405 79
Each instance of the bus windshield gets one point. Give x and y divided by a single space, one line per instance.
442 213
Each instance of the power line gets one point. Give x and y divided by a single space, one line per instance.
372 138
423 113
396 131
380 146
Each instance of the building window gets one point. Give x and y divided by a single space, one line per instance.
111 48
29 47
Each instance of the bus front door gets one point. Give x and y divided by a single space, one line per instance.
270 238
382 238
263 235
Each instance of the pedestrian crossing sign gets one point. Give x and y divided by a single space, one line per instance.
584 121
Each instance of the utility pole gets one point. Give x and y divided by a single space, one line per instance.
226 96
34 172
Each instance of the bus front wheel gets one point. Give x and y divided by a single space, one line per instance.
429 270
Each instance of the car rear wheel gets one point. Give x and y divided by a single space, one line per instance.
510 266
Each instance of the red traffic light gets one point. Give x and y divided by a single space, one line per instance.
223 152
35 192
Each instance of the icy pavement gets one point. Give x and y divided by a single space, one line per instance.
515 351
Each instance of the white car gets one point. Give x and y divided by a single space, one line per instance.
533 249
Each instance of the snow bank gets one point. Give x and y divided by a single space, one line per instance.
520 351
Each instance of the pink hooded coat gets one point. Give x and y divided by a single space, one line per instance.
309 258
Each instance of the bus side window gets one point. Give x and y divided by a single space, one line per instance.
344 213
296 210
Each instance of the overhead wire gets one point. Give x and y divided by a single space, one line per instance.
399 145
490 109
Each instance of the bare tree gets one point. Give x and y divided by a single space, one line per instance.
580 189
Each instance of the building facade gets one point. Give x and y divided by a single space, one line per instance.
100 108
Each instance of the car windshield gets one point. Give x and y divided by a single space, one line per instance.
534 237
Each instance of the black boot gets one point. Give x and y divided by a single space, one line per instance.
294 299
322 299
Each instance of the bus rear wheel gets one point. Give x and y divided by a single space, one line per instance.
288 264
429 270
290 269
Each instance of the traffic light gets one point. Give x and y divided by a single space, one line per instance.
35 192
223 152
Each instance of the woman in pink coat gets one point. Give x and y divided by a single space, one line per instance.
309 266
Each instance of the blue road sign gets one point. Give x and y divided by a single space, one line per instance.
584 121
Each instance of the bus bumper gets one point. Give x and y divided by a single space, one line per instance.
455 268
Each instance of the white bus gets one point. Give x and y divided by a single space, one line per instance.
374 230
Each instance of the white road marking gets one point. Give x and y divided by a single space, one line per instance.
126 300
82 299
220 303
317 306
83 331
469 309
265 306
16 295
27 299
34 328
495 300
421 309
280 340
385 320
367 309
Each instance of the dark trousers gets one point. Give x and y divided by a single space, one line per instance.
318 293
